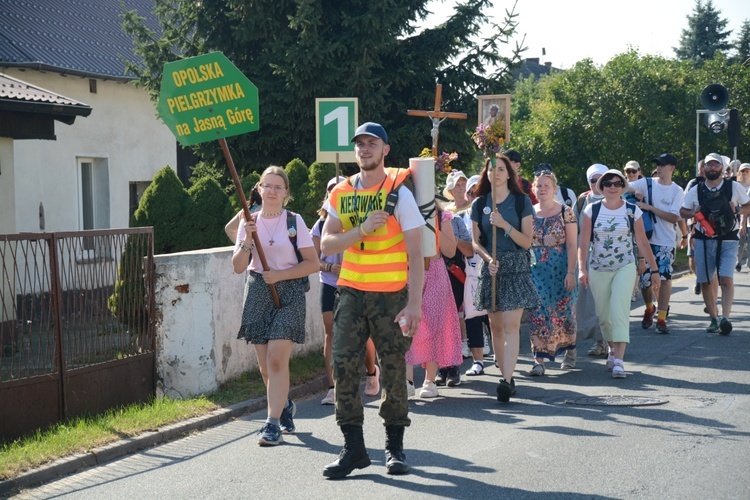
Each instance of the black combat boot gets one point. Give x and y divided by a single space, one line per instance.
395 460
352 456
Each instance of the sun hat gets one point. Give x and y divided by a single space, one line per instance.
614 172
450 182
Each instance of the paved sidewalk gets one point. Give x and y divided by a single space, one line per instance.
683 432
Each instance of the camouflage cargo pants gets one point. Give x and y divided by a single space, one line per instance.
358 315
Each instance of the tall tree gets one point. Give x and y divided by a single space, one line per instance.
742 43
297 50
633 108
704 36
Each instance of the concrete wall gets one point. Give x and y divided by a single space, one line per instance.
123 129
199 302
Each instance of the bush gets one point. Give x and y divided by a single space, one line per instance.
164 205
210 211
298 175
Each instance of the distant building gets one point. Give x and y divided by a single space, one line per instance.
531 66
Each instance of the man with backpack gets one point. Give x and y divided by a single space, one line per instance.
715 204
660 199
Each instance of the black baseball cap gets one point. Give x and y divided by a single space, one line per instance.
513 155
665 159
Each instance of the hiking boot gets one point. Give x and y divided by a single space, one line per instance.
372 388
504 391
598 349
442 375
661 326
454 378
352 456
714 326
270 435
725 326
395 459
697 288
286 419
648 318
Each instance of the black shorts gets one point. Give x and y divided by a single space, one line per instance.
327 296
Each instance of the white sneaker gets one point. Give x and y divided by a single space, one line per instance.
429 390
486 348
373 383
618 369
330 398
465 351
410 392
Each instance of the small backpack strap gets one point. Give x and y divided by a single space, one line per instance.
595 207
291 230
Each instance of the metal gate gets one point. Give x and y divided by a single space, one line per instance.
76 325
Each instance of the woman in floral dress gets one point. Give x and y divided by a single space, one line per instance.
555 231
438 338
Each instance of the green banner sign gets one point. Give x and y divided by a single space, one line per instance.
206 98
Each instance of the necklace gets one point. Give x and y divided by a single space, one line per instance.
271 241
271 215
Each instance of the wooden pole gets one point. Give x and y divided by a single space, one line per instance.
491 173
246 212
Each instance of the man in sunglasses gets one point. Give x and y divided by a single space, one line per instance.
715 203
663 202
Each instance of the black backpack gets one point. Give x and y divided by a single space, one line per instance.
716 208
520 203
291 229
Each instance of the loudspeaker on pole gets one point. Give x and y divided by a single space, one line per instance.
714 97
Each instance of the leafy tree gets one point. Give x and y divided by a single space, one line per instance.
704 36
632 108
299 188
742 44
297 50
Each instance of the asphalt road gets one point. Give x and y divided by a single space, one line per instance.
688 436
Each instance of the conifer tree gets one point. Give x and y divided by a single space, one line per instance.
704 36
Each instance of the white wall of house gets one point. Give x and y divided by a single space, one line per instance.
122 139
7 184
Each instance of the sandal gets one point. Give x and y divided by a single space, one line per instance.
537 371
476 369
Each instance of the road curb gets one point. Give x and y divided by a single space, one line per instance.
112 451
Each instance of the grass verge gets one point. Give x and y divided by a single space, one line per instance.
83 434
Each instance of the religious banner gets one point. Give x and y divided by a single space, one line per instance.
207 98
495 110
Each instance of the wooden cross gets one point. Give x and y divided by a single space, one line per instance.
437 117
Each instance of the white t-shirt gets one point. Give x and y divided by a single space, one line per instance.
667 198
612 245
280 254
571 195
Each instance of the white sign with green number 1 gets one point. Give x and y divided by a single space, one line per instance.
335 123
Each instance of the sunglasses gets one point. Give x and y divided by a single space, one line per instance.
540 173
594 180
617 184
627 171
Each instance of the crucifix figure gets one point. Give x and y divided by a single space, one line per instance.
437 117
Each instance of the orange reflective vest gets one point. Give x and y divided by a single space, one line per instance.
378 262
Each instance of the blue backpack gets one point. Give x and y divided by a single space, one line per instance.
648 217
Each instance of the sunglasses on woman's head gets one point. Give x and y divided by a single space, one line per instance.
617 184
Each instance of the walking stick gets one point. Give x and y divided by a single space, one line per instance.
246 212
494 229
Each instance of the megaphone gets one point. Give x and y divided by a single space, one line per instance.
714 97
